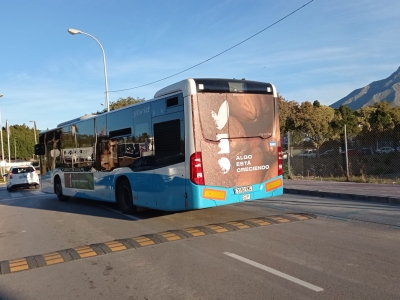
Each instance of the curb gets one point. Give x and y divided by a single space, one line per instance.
344 196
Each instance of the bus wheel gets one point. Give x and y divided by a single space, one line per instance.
58 190
124 197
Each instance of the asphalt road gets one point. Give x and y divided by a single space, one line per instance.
350 251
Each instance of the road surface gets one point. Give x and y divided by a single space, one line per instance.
339 250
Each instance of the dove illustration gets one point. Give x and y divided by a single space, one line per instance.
221 118
224 164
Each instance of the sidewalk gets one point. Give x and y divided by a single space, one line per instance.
384 193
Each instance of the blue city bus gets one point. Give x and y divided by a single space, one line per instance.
199 143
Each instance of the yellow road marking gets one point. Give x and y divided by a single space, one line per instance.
194 231
53 258
280 219
170 236
300 217
143 241
19 264
85 251
115 246
238 225
260 222
217 228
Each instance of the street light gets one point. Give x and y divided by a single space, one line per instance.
76 31
15 150
34 132
1 133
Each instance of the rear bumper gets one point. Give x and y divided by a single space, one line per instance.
22 185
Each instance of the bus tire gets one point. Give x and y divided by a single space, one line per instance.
124 197
58 190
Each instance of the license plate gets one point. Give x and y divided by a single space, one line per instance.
243 189
22 176
246 197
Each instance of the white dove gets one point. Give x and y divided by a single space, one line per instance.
221 118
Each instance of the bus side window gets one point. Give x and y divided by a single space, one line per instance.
168 143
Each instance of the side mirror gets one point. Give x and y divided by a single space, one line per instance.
40 149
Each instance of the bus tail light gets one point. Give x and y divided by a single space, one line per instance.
196 169
280 167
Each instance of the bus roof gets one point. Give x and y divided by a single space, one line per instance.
191 86
218 85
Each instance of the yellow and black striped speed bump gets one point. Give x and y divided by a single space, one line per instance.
66 255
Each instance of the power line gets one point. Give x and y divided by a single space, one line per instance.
204 61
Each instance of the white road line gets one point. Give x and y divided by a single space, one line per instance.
16 195
37 192
34 196
275 272
118 212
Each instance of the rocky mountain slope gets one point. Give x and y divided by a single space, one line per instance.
386 89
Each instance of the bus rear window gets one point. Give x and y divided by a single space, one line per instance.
236 115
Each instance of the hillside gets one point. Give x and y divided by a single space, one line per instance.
386 89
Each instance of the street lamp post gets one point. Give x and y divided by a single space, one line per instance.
2 163
1 134
76 31
34 132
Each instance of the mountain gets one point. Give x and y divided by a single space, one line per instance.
386 89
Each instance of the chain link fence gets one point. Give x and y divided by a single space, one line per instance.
369 157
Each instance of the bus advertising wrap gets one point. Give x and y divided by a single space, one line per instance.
84 181
238 136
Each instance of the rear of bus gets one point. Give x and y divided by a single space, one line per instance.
237 152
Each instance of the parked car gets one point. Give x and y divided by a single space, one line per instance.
327 153
385 150
22 177
350 152
366 151
309 153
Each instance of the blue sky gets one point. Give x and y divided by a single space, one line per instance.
322 52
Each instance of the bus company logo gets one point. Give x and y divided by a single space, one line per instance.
141 111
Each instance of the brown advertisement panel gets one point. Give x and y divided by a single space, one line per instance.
238 135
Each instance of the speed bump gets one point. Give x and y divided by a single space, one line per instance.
86 251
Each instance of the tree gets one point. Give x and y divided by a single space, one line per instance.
345 115
287 114
315 122
122 102
23 137
381 119
316 103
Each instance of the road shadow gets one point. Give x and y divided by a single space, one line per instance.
75 205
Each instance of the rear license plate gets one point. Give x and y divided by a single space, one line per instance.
246 197
22 177
243 189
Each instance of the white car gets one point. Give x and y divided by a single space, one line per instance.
385 150
22 177
309 153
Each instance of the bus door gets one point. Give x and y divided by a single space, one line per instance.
169 152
